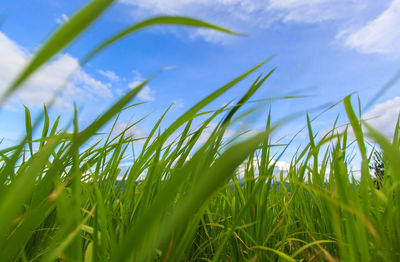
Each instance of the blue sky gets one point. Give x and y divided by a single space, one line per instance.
324 49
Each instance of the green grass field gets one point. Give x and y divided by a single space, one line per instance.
61 198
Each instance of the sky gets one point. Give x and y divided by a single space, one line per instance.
324 50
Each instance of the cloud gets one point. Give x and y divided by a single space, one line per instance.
279 166
255 12
211 36
110 75
282 165
146 94
205 135
178 104
384 116
290 4
310 11
134 131
179 6
381 35
62 19
44 84
92 85
226 13
244 9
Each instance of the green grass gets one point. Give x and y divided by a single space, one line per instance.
60 200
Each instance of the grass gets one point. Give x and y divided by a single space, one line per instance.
61 197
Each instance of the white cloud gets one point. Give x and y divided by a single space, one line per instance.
62 19
205 135
381 35
227 13
43 85
211 36
243 8
377 36
282 165
279 166
178 104
311 11
92 85
289 4
179 6
146 94
134 131
259 12
110 75
384 116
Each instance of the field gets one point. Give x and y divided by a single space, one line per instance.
64 197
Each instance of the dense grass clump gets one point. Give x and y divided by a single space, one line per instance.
210 201
64 197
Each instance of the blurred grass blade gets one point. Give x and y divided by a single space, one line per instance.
28 127
56 252
356 126
13 198
46 125
210 182
286 257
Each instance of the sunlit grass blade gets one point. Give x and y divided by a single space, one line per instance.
45 126
215 178
28 128
358 133
57 252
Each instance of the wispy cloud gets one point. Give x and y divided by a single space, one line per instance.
280 166
311 11
132 131
110 75
178 104
383 117
381 35
146 94
254 12
211 36
62 19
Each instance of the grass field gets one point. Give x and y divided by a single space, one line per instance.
61 198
